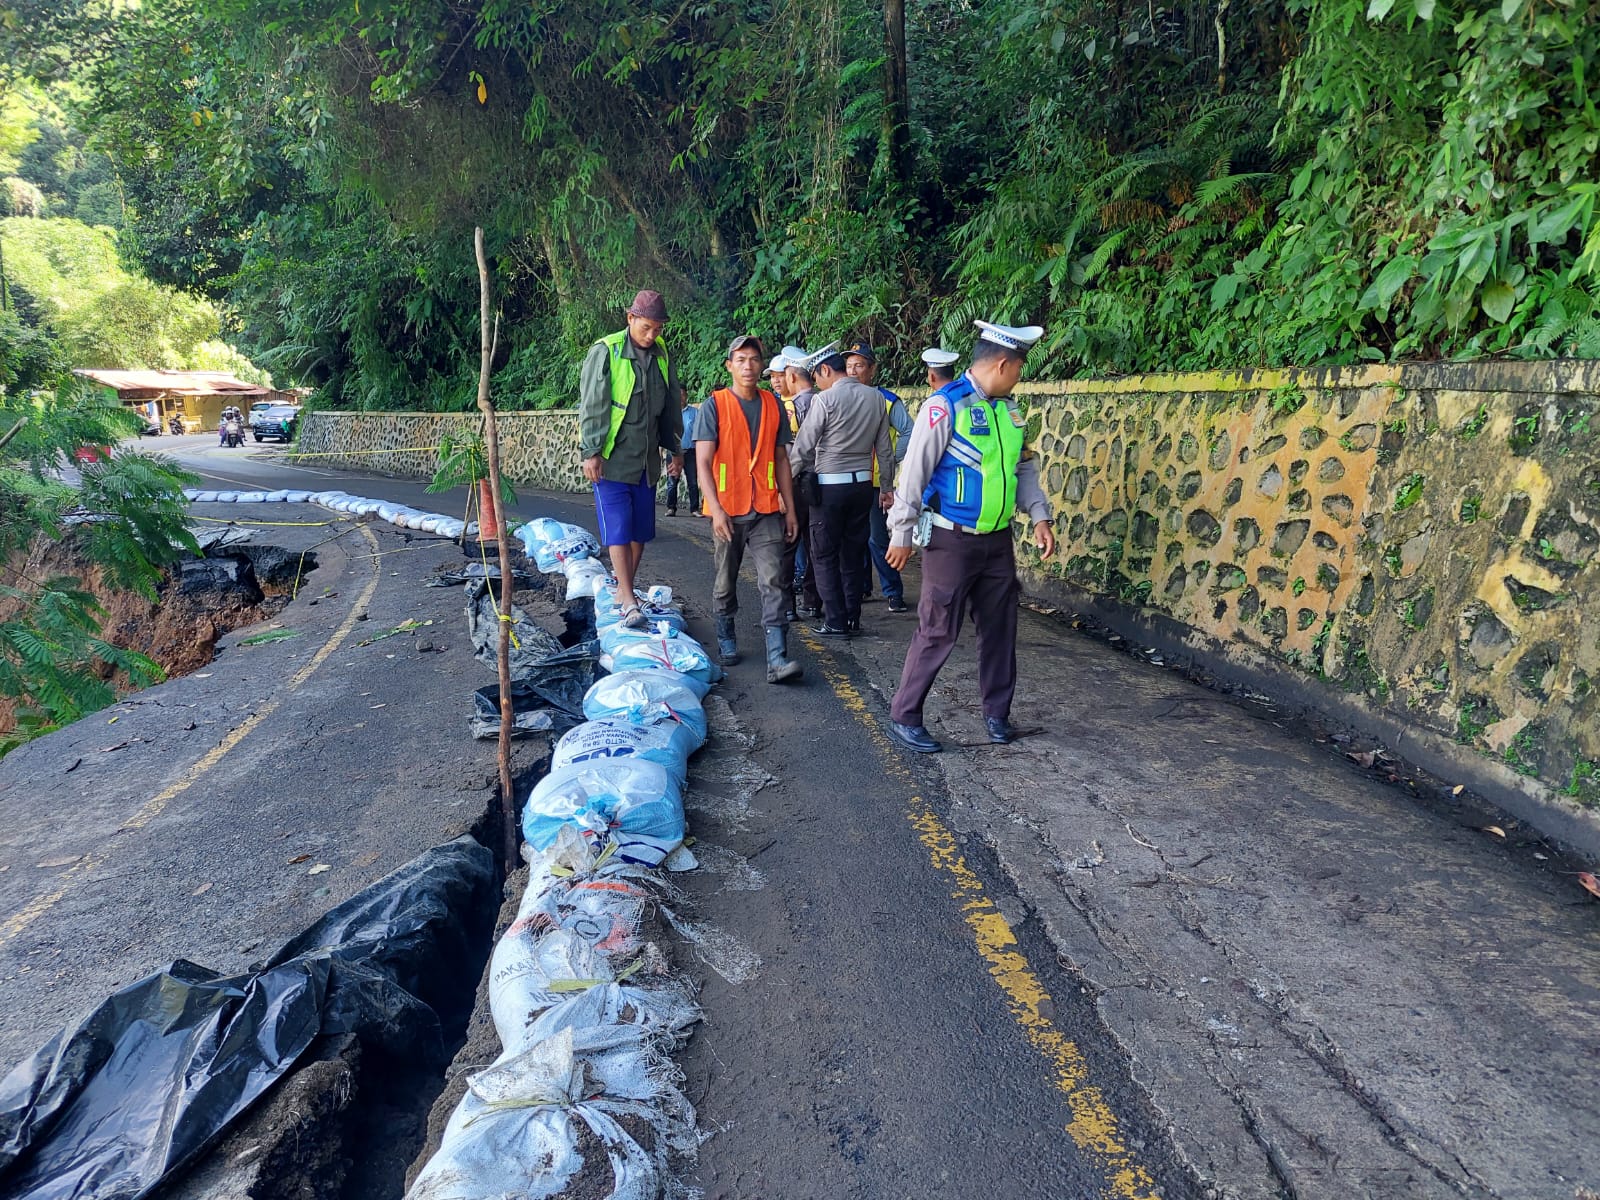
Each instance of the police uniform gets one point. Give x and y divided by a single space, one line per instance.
965 462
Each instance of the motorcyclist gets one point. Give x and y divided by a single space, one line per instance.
231 413
175 424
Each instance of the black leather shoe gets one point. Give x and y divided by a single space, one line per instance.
915 737
1001 731
896 605
853 628
826 630
807 613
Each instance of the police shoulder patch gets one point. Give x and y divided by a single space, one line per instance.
937 410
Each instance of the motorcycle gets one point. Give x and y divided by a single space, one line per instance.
233 432
176 426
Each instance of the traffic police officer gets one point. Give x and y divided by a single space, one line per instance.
941 366
966 463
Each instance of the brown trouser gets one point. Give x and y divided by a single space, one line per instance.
762 538
959 569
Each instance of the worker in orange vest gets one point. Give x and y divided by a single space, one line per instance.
749 496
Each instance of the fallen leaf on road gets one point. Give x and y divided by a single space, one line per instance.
377 706
1541 857
1458 789
271 635
319 869
299 858
1589 884
64 861
365 860
202 675
109 749
113 720
76 763
1494 829
201 890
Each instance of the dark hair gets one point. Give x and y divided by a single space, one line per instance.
943 374
834 363
802 372
984 349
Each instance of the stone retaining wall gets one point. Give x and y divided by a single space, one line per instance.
1413 548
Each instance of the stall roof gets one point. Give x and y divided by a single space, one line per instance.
134 385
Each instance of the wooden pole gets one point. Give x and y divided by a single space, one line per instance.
508 799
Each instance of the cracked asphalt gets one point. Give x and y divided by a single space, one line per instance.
1279 976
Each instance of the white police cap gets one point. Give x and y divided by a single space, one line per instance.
935 357
778 363
1012 337
815 359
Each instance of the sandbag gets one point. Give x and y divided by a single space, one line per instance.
669 743
634 803
583 576
660 648
648 697
550 542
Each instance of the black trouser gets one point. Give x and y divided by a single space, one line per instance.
839 529
791 554
690 480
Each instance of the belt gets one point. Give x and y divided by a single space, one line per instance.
844 476
947 523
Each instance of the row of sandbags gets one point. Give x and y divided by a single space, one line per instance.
402 515
586 1007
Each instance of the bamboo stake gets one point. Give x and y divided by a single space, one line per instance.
508 800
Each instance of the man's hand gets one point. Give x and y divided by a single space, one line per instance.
722 525
791 527
675 467
897 557
886 500
1045 538
591 468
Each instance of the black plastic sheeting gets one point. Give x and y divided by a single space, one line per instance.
547 696
147 1081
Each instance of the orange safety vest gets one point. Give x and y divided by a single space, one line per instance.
746 478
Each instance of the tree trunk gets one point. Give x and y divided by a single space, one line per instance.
491 435
896 92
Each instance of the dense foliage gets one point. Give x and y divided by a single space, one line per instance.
1183 185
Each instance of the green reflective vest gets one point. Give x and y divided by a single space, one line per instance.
622 381
975 482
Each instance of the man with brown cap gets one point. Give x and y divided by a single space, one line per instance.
628 412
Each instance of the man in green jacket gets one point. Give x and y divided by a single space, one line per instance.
628 413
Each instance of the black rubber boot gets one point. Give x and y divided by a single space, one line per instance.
727 641
780 667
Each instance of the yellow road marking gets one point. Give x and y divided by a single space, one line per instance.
1093 1128
153 807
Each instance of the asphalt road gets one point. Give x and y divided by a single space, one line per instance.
1167 946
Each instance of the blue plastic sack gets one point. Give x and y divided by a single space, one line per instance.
648 697
550 543
635 803
669 743
658 650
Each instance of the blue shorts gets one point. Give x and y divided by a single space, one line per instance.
627 512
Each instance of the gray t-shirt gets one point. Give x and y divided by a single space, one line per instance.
705 428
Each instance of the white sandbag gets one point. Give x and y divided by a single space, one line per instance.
669 743
277 497
207 497
515 1132
296 497
636 804
250 497
451 527
191 493
584 575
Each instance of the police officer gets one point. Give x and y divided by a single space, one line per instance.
847 424
861 361
966 461
798 390
941 366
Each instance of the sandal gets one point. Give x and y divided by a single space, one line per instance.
633 617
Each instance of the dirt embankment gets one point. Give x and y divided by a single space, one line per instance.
197 601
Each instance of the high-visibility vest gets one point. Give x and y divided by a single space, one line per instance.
975 482
894 437
745 476
622 380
